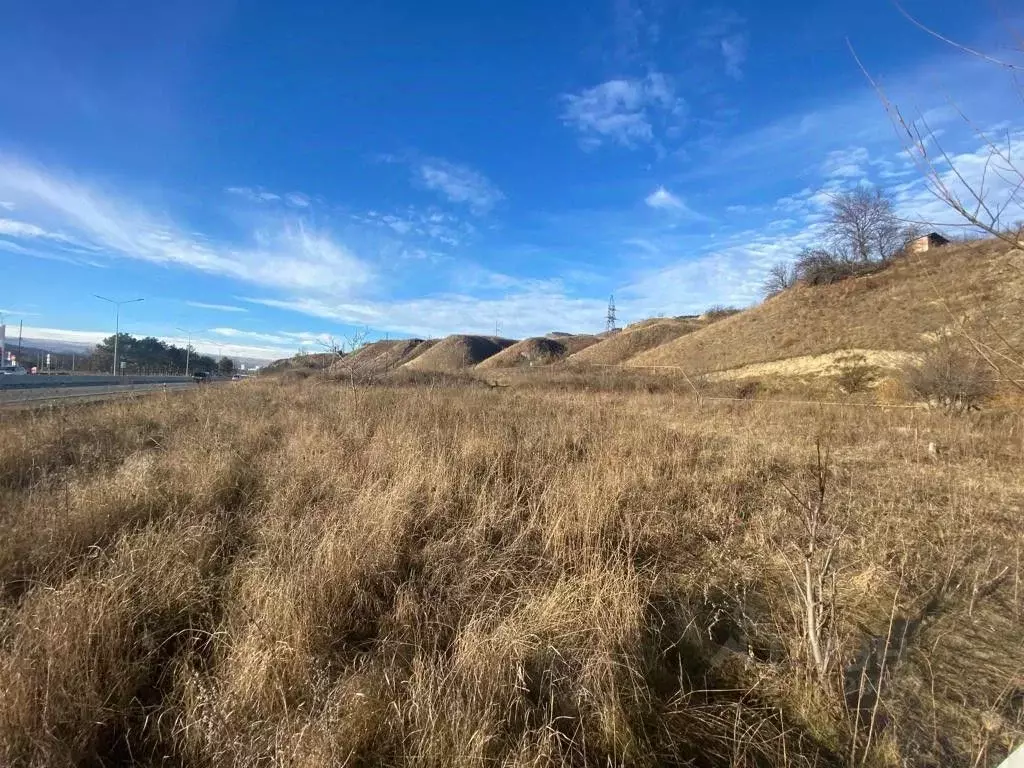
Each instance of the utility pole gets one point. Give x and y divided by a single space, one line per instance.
20 324
117 321
610 319
188 347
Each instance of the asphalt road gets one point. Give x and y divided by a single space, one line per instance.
84 392
61 382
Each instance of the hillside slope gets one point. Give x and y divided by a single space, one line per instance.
314 361
538 350
453 353
380 356
899 309
634 340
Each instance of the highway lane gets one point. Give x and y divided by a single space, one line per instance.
61 382
11 396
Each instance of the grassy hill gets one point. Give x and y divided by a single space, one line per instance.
886 316
381 356
456 352
539 350
316 361
635 339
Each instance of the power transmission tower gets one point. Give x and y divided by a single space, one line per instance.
611 314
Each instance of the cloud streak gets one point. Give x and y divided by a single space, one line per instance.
663 200
734 52
459 184
215 307
288 254
629 112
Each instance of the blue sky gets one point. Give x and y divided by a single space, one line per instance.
272 174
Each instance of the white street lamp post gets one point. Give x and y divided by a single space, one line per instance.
188 347
117 321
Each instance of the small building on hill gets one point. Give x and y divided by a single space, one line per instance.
927 242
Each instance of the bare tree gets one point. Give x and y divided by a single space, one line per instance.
780 277
990 199
988 196
863 225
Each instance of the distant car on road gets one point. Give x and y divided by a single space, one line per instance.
200 377
12 370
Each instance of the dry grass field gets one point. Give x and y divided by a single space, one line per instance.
321 574
979 286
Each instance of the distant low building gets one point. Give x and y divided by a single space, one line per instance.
927 242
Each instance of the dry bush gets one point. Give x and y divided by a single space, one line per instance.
416 575
819 267
951 377
719 312
781 277
853 374
892 391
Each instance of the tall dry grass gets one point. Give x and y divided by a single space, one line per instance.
320 574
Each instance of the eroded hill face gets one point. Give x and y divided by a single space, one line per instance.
888 315
382 356
539 350
458 352
634 340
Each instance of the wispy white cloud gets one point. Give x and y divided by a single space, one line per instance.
23 229
284 339
260 195
722 33
254 194
216 307
286 253
643 244
519 314
624 111
662 199
730 274
734 52
459 184
7 206
849 163
430 224
635 28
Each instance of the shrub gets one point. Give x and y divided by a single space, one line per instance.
748 390
891 391
780 277
718 312
853 373
950 376
819 267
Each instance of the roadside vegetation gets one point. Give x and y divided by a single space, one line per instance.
438 573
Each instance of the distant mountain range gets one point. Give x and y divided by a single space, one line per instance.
52 345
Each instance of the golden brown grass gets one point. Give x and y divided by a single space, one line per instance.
318 574
897 309
458 351
381 356
538 350
636 339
